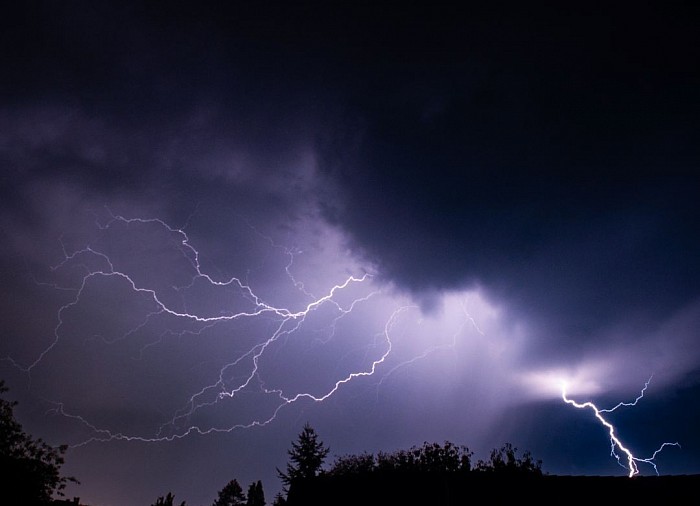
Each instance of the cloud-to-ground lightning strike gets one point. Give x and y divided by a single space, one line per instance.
615 443
287 323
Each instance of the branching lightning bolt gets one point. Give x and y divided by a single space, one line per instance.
287 323
615 444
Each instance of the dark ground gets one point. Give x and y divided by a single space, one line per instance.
447 490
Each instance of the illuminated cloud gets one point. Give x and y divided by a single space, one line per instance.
518 188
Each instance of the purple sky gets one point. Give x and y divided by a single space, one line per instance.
220 223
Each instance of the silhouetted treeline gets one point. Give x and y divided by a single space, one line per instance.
231 495
445 475
429 474
432 474
436 458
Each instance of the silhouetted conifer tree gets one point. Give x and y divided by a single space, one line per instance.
256 496
306 457
231 495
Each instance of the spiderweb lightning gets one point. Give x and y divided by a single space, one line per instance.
165 309
629 461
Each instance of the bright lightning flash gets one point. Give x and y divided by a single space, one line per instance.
616 445
96 263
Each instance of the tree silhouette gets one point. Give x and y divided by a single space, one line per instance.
429 458
505 460
256 496
231 495
448 458
306 457
168 500
279 500
353 465
31 468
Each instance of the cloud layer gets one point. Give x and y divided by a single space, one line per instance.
519 184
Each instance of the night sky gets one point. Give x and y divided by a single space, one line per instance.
220 221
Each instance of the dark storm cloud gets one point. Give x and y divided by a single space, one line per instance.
548 158
544 156
153 112
148 81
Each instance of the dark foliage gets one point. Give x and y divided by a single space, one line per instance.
279 500
305 457
231 495
429 458
506 461
168 500
256 496
353 464
31 468
428 474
